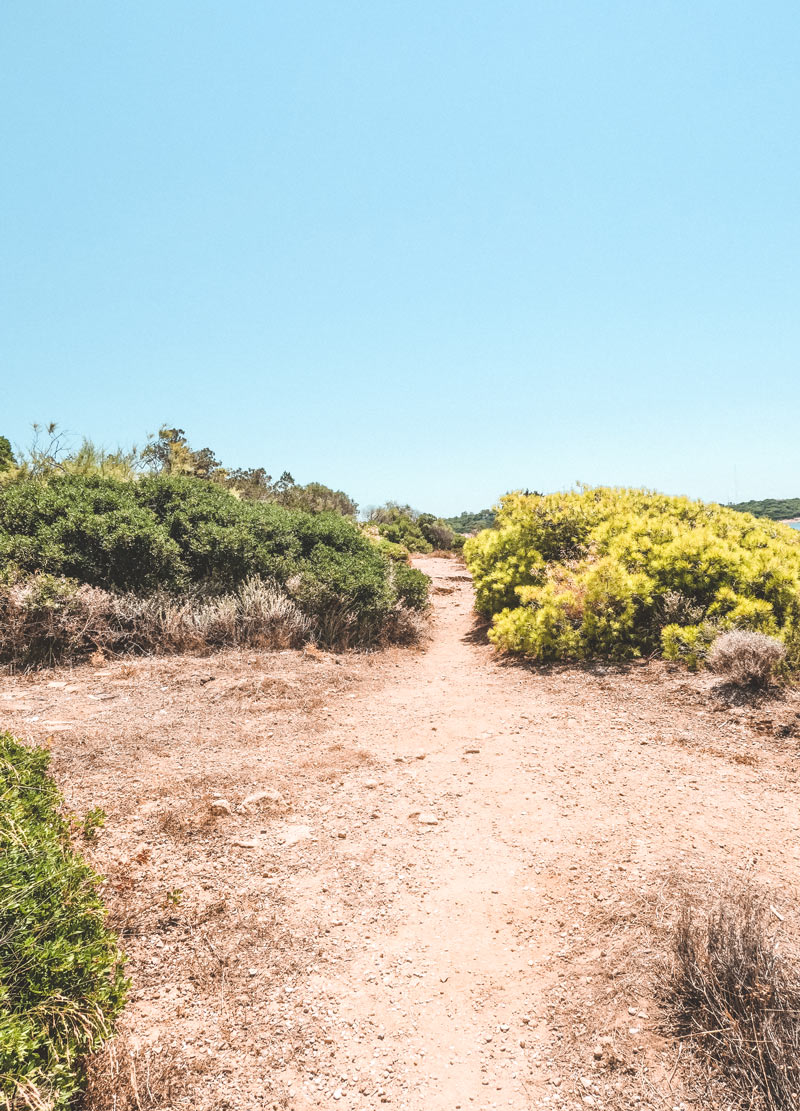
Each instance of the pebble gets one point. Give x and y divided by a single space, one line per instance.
265 795
292 834
220 806
426 819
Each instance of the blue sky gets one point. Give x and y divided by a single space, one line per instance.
428 250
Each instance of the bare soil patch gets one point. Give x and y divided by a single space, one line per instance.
450 881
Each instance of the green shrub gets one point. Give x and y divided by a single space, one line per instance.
688 644
411 585
61 983
394 552
615 574
178 534
92 529
421 533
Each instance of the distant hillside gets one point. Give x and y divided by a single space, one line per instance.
775 508
471 522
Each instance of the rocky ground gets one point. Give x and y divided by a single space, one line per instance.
428 879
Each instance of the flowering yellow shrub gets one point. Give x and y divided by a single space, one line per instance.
617 573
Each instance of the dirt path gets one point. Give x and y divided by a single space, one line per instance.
436 901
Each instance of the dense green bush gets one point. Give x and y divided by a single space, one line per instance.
92 529
415 532
180 534
618 573
61 982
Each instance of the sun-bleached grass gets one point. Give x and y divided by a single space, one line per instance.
733 991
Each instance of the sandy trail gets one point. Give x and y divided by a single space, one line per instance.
432 907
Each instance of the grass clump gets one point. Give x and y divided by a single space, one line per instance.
736 996
747 659
61 982
617 574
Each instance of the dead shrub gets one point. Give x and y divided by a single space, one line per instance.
406 627
746 659
45 620
736 996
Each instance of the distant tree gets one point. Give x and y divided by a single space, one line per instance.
168 452
315 497
7 460
776 509
46 451
250 482
467 522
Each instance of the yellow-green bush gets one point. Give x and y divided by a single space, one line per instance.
616 573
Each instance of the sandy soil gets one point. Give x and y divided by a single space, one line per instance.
449 886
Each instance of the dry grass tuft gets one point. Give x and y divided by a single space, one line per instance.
736 997
124 1078
746 659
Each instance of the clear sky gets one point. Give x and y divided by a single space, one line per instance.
428 250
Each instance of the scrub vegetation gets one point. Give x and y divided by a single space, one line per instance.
180 556
413 532
61 980
619 574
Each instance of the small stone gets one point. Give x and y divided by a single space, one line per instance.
426 819
252 971
371 784
631 1010
342 834
220 806
337 1094
597 1053
292 834
421 755
265 795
